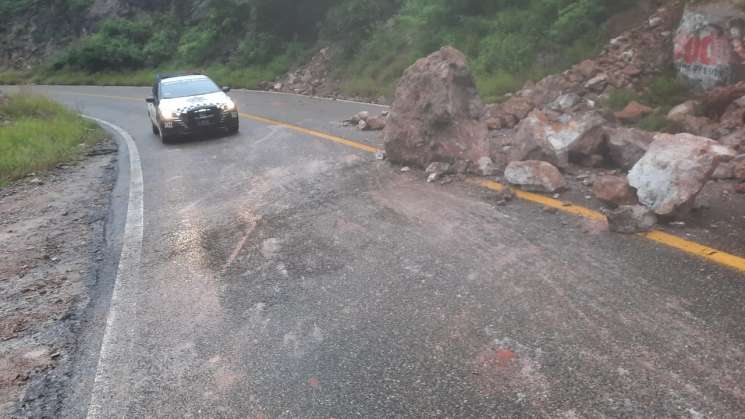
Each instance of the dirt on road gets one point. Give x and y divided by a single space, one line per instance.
51 240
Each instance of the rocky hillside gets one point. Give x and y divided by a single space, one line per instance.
361 47
33 30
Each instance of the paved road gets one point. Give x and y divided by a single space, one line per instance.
284 275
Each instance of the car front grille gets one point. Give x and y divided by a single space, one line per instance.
203 116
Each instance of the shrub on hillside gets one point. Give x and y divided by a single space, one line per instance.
118 44
197 45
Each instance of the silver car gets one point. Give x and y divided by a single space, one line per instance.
187 104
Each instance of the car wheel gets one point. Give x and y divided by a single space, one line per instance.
156 131
234 129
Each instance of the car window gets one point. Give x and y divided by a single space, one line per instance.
190 87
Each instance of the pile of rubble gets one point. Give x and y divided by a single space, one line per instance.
364 122
311 79
552 127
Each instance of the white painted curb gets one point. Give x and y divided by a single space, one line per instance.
129 261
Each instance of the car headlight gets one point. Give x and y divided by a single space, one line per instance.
168 115
229 106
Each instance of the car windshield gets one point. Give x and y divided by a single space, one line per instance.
189 87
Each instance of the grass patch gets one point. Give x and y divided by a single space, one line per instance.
493 87
658 122
367 87
14 77
247 77
618 99
38 134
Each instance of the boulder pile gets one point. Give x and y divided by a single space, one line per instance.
559 124
364 122
311 79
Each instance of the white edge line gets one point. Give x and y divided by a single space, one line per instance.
129 260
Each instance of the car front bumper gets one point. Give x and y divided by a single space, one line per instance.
178 127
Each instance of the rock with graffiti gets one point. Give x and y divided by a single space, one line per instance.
710 44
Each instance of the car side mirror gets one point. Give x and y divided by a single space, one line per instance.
150 100
226 89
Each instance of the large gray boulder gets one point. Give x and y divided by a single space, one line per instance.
675 169
555 138
436 114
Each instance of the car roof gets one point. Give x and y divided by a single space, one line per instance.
181 78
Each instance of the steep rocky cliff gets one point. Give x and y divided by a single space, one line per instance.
33 30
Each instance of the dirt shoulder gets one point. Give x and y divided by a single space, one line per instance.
51 242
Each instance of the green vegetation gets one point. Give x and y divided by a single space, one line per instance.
245 41
37 134
507 41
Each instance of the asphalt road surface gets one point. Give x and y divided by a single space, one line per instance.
285 275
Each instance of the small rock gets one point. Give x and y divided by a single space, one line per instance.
487 167
724 171
685 109
655 22
738 167
405 169
633 112
36 181
614 191
631 219
588 68
446 180
380 155
375 124
436 170
565 102
505 195
626 146
597 83
536 176
735 140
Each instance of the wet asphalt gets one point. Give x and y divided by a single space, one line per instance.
289 276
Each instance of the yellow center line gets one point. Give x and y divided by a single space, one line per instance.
313 133
657 236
